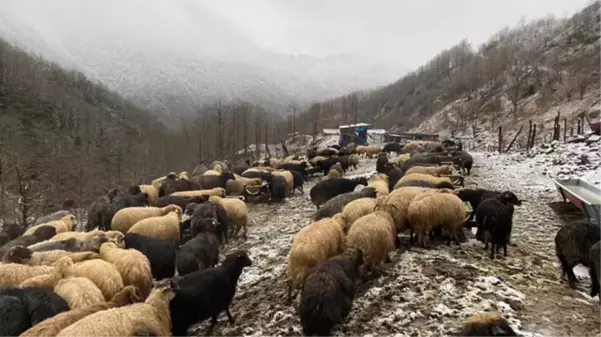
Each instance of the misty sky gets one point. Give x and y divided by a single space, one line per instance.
412 31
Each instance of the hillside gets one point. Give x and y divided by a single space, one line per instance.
175 68
527 72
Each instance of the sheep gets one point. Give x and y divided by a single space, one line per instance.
361 149
314 243
329 188
164 227
218 191
258 194
464 160
326 152
210 217
66 210
40 304
353 160
152 191
219 284
411 147
336 204
104 274
431 209
160 253
98 207
392 147
181 183
237 213
127 217
431 170
486 324
237 186
65 224
327 163
289 180
240 168
10 231
423 177
91 240
278 189
78 292
572 246
380 183
14 317
425 184
375 234
311 153
213 181
179 200
69 245
328 292
424 159
401 198
356 209
139 199
394 174
401 159
61 269
312 171
197 254
200 169
299 167
152 315
299 180
494 218
372 150
594 256
12 274
20 254
255 172
381 163
133 266
335 171
41 234
52 326
344 162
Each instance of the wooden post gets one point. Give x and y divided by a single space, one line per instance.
267 151
500 139
284 147
514 138
572 131
529 134
579 126
556 127
533 136
565 129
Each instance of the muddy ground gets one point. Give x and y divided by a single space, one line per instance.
426 292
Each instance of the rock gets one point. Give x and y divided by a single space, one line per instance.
549 150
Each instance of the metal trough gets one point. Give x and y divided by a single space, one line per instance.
583 195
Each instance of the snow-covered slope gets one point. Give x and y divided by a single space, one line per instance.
175 56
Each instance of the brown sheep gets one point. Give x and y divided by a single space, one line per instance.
237 186
104 275
237 213
133 266
289 180
218 191
356 209
431 170
164 227
423 177
23 255
380 183
65 224
401 198
125 218
79 292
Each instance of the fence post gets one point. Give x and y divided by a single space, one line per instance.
500 139
533 136
529 134
579 126
572 131
565 129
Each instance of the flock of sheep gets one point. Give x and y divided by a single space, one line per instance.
147 261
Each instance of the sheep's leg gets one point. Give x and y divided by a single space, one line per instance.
289 296
244 228
213 322
594 282
229 316
568 270
505 250
492 251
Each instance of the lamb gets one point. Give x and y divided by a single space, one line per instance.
217 284
52 326
65 224
494 219
127 217
335 171
431 170
381 162
594 256
212 181
314 243
41 234
160 253
353 160
380 183
329 188
218 191
278 189
210 217
104 275
375 234
164 227
486 324
237 186
133 266
572 246
431 209
179 200
356 209
98 207
328 292
78 292
336 204
464 160
22 255
139 199
237 213
152 316
199 253
40 304
289 180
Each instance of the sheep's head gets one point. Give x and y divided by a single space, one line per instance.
116 237
64 266
94 242
127 295
446 169
238 258
70 221
134 189
510 197
190 208
177 211
184 176
18 254
171 208
445 184
356 254
167 287
111 194
108 246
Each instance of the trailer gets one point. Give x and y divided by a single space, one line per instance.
585 196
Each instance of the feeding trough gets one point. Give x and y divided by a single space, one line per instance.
585 196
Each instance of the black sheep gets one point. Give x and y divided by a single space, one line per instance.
119 203
257 194
209 182
344 152
160 253
476 196
264 176
239 169
594 256
326 164
494 221
392 147
300 168
312 170
14 318
394 174
179 200
210 217
344 162
424 159
206 293
328 292
12 230
175 184
39 303
420 183
572 246
327 152
327 189
278 189
42 233
464 160
299 180
337 203
98 207
381 162
311 153
200 253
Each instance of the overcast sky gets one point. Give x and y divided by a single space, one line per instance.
411 31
